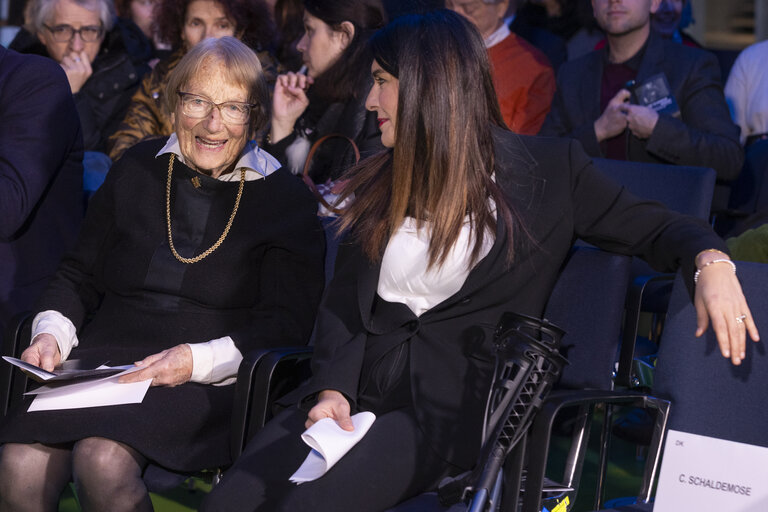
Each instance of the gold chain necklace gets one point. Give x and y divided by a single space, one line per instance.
168 217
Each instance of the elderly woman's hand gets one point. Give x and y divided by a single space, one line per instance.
77 66
331 404
43 352
289 101
719 299
168 368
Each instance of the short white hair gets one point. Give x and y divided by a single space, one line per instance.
38 12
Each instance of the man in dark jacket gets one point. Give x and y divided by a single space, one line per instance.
83 38
40 177
595 105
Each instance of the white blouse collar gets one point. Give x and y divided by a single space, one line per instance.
258 163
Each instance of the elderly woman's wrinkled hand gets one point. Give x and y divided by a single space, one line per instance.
170 367
77 66
719 300
43 352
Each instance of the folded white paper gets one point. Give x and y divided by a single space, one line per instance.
329 443
92 393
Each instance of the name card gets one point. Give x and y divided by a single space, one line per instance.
707 474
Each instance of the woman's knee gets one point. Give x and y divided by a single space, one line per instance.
33 474
97 458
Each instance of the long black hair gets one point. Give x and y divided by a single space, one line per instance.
441 167
348 76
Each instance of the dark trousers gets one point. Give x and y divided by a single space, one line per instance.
392 463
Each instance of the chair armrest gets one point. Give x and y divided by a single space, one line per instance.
541 431
633 306
262 374
13 341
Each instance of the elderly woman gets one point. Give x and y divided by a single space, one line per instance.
330 97
458 221
103 74
196 249
183 24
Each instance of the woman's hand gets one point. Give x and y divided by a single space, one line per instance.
78 69
168 368
289 101
331 404
719 299
43 352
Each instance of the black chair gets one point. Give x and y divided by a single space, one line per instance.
686 190
14 383
587 302
709 395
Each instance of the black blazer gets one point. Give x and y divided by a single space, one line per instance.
41 176
704 136
558 195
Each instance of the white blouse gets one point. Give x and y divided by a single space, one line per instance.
404 276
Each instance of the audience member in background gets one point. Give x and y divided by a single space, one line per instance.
289 18
671 18
41 177
142 14
570 19
182 24
551 45
330 97
82 37
747 93
592 102
522 76
456 222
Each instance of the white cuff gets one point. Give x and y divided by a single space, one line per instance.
60 327
215 362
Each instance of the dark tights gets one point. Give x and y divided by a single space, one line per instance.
390 464
107 476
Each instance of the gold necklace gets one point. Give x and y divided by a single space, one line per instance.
168 217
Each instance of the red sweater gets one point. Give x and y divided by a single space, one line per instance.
524 81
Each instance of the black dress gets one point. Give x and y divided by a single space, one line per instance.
129 297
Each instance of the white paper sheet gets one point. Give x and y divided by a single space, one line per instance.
93 393
329 444
707 474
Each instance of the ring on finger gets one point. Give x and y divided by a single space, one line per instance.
740 319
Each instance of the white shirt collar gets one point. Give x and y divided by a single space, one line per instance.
498 36
258 163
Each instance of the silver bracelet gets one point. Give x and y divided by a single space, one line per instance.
721 260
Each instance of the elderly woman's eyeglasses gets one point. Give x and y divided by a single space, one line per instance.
199 107
65 33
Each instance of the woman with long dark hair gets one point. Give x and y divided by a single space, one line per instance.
330 97
456 222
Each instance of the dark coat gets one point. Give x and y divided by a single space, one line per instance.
117 71
348 118
703 136
41 200
558 195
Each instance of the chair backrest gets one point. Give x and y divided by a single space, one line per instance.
684 189
709 395
588 302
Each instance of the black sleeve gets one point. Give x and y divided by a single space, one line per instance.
39 128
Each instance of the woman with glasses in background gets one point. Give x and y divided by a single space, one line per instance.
197 249
182 24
